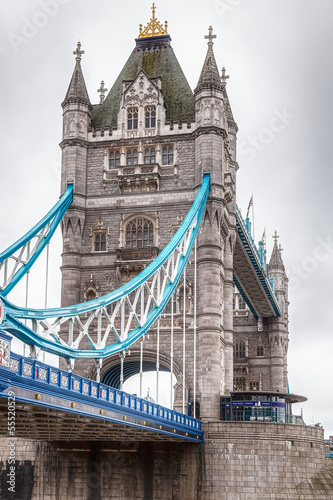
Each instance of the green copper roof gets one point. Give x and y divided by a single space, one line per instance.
157 58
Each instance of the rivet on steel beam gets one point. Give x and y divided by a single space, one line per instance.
38 396
73 405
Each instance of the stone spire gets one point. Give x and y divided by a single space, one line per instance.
276 261
77 90
210 77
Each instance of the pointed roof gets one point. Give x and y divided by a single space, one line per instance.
209 77
155 56
276 261
77 90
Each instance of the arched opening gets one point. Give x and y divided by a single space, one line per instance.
131 371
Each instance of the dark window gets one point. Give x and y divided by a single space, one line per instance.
167 155
139 233
150 117
132 157
260 350
91 295
254 385
100 242
240 384
239 349
114 160
132 118
241 303
149 156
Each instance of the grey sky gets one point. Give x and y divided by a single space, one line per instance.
278 56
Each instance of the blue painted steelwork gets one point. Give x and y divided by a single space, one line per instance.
32 375
178 250
245 297
46 227
258 264
328 444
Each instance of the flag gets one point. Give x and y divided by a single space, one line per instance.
250 205
263 238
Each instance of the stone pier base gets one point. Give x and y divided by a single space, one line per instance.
238 461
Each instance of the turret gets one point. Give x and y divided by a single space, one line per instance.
76 120
217 235
278 327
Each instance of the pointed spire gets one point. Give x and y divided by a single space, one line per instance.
210 77
77 90
276 261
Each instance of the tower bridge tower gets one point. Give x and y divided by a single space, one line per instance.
137 160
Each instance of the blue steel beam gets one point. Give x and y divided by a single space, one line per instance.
13 314
53 217
258 267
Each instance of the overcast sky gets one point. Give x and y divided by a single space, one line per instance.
278 56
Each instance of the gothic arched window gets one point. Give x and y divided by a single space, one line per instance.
239 349
114 160
167 155
100 241
132 118
91 295
241 303
260 350
139 233
132 157
150 117
149 156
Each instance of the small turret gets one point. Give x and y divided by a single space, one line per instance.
76 120
209 77
278 327
276 270
77 90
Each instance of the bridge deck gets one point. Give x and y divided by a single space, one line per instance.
53 404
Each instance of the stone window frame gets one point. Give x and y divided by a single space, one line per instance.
132 157
132 113
145 218
240 383
168 155
99 233
150 116
260 351
240 349
149 155
254 385
241 303
114 158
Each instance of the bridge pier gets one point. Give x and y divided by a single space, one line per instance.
239 460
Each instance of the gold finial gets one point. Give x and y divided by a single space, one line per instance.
154 27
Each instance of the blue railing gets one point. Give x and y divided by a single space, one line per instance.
58 382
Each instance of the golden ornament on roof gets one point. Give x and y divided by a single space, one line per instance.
154 27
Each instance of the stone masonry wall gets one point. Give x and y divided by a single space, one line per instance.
238 461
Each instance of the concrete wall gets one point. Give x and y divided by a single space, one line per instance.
239 461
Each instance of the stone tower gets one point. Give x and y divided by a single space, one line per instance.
137 160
